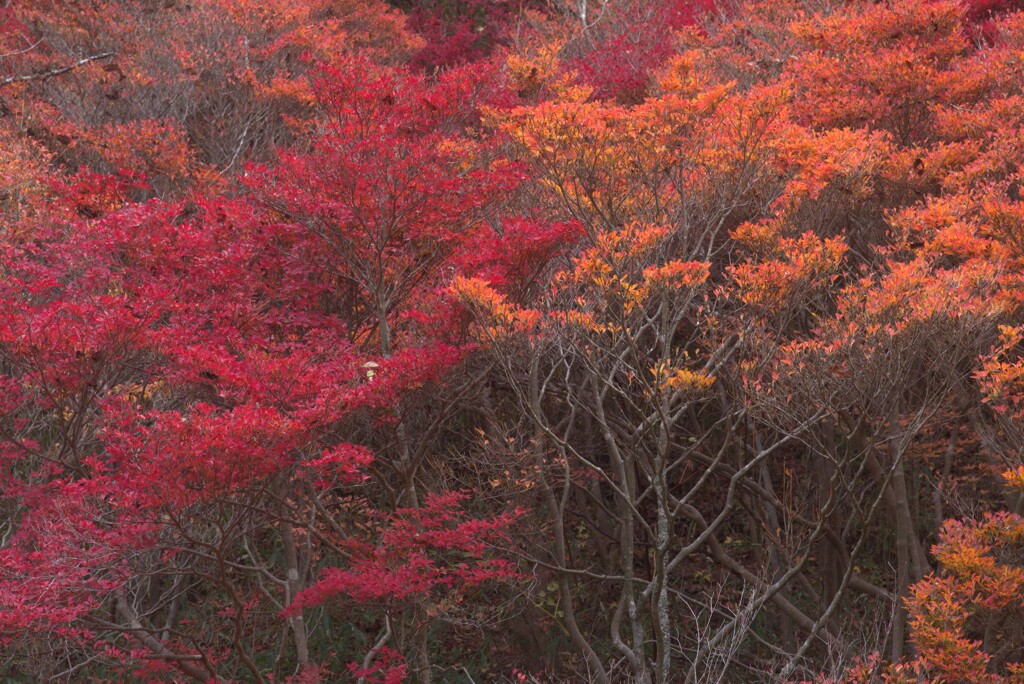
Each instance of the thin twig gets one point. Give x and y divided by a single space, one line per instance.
41 75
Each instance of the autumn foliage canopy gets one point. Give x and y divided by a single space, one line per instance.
512 340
